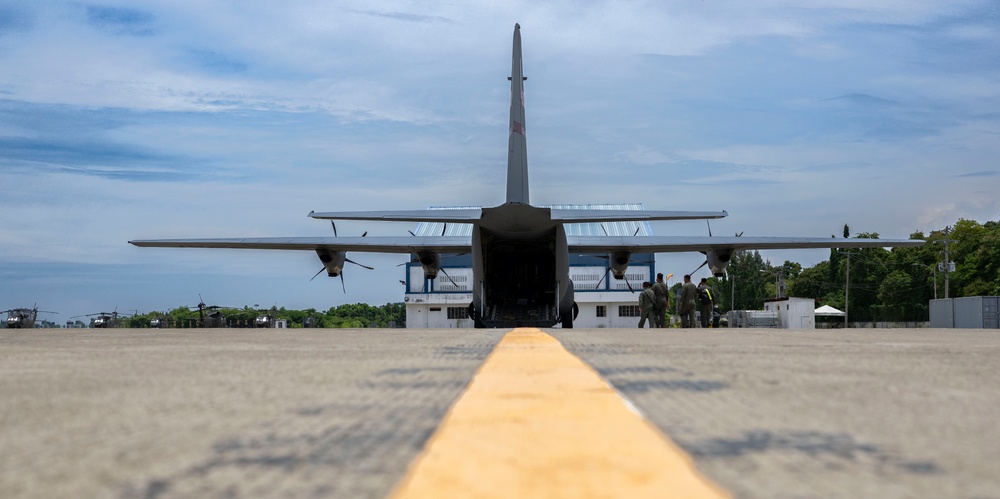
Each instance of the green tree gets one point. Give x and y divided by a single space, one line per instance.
745 281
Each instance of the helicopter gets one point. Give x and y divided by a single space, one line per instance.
268 319
23 318
310 321
102 319
158 321
214 318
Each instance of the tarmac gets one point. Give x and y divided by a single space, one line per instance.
378 413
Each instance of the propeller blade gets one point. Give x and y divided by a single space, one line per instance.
334 228
359 264
630 290
699 267
342 285
603 277
365 234
709 228
637 231
605 229
411 233
453 283
444 227
318 273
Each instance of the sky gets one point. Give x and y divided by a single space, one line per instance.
160 119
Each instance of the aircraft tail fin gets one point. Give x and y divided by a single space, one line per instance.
517 152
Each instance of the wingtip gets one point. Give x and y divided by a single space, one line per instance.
517 26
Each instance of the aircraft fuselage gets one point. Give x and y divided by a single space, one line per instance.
520 266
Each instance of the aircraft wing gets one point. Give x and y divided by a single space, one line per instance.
584 216
375 244
677 244
440 215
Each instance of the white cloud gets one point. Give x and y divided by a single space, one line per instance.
257 112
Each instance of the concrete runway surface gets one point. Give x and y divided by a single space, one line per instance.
345 413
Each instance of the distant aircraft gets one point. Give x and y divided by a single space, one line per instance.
23 318
158 321
213 318
267 319
520 253
102 319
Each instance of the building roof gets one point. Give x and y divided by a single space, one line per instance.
581 229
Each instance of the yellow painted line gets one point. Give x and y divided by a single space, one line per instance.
538 422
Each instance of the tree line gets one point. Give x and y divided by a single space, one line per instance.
355 315
885 285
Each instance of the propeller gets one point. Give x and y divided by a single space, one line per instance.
740 234
343 285
605 276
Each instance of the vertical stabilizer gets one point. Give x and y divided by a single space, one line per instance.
517 151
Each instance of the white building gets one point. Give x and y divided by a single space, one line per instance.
793 313
603 301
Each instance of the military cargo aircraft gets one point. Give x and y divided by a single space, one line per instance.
520 253
23 318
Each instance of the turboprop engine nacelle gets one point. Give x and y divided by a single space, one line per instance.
332 260
718 260
431 262
619 263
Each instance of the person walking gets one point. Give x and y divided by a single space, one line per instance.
662 300
647 305
689 293
706 301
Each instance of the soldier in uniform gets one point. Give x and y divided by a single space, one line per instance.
647 305
706 301
662 300
689 294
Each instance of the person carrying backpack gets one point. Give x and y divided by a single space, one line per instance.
705 302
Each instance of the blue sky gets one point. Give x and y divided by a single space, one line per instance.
162 119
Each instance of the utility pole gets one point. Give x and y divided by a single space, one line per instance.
732 289
847 289
947 258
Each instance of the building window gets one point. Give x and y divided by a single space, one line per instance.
458 313
602 310
628 310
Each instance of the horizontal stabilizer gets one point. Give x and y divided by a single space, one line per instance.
584 216
442 215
